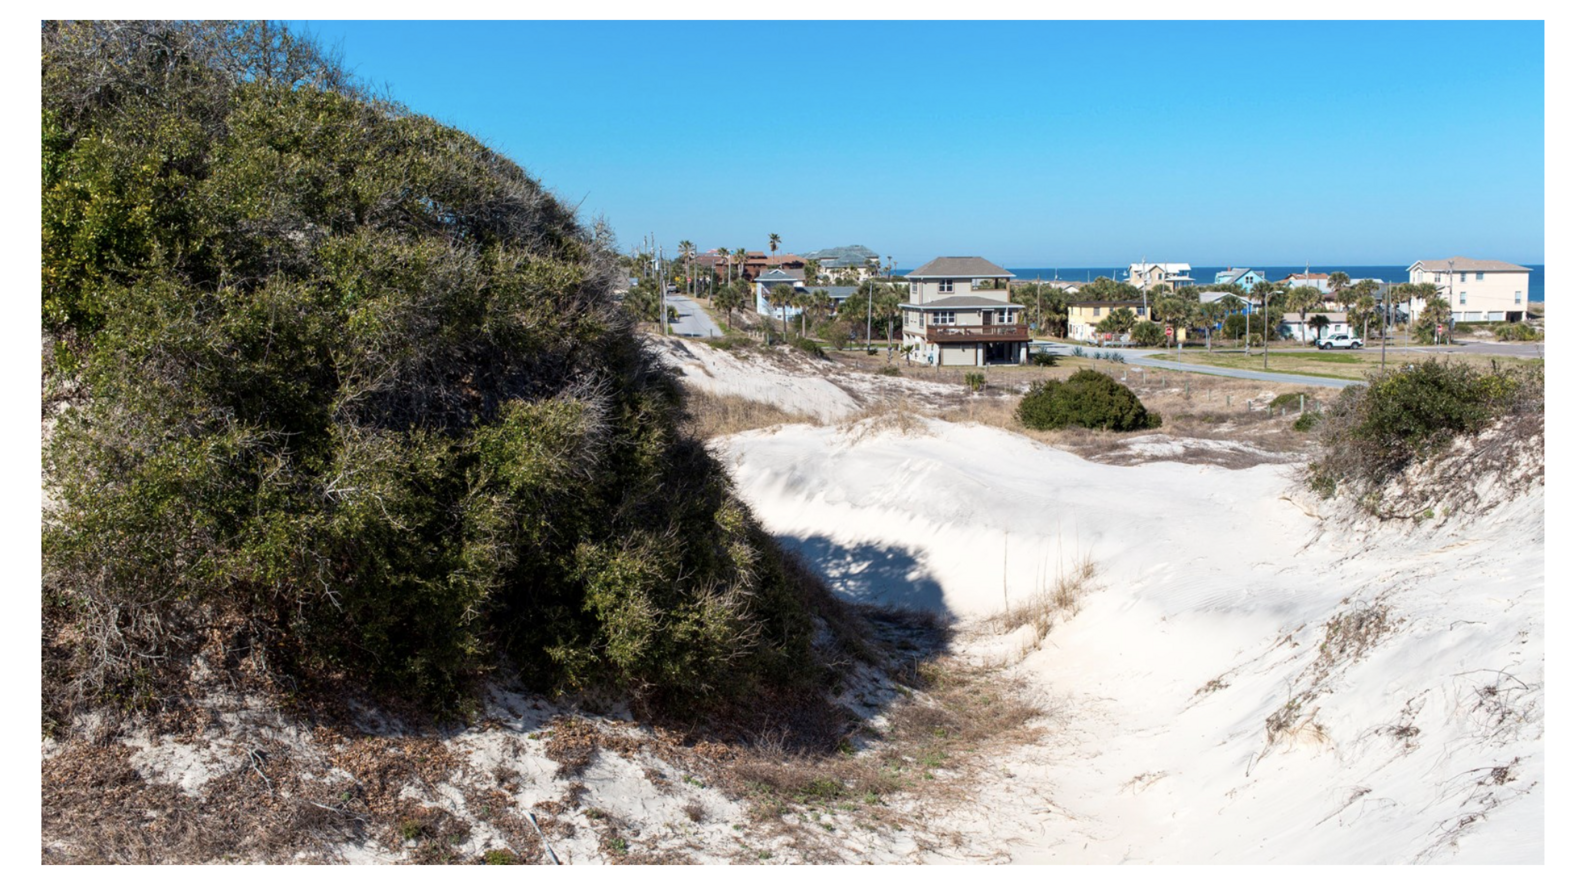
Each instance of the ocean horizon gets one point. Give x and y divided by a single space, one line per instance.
1206 274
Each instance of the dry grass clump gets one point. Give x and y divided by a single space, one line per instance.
898 415
1040 613
951 715
711 415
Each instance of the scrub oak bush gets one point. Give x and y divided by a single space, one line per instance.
1373 432
348 386
1087 398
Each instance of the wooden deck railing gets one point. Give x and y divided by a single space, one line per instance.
978 333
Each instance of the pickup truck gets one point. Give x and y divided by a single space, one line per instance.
1340 340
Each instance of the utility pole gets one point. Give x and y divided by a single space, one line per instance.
1385 293
1265 334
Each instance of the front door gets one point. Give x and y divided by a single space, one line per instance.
989 317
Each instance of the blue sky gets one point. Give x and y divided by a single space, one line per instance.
1030 143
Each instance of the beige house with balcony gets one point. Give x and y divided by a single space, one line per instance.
1476 289
1148 275
960 314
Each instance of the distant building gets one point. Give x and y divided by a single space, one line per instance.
1307 279
1083 316
1249 304
1476 289
854 263
1293 328
765 283
1148 275
1245 278
947 322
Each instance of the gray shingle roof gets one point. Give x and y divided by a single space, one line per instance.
966 302
777 276
1461 263
961 267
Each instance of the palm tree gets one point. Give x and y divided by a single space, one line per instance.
1262 291
1337 282
1209 314
782 297
1304 300
687 253
773 243
740 262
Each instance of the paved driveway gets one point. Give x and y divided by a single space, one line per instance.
692 320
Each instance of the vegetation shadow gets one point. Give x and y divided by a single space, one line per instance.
889 577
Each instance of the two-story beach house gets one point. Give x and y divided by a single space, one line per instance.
1082 317
1476 289
1148 275
960 313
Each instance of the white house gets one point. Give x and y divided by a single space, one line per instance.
1337 322
1476 289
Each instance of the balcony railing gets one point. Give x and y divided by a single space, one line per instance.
978 333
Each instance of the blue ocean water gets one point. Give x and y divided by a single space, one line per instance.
1206 274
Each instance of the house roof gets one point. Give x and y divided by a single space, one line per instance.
1461 263
960 267
1216 296
964 302
778 276
1114 303
1301 276
1333 317
1171 267
1234 274
856 254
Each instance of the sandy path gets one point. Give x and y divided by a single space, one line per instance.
1220 605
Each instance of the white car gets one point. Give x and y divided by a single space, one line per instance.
1340 340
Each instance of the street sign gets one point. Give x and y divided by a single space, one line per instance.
1168 331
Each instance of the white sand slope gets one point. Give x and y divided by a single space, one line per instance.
1247 682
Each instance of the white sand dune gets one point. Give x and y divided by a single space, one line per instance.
1400 668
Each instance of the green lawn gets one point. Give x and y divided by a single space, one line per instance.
1330 364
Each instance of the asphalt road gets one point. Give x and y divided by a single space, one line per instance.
692 320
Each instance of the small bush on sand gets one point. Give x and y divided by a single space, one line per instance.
974 381
1042 358
811 347
1087 398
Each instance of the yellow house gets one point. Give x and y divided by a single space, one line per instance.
1083 316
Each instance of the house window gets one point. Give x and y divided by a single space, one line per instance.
1097 311
1461 297
1139 311
1480 275
914 288
943 317
1517 297
1462 277
945 286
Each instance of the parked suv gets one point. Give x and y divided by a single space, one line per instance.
1340 340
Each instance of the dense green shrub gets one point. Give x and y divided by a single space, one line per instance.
351 385
1087 398
973 380
1517 333
811 347
1374 431
1043 358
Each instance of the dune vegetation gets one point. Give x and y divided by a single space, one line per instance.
346 386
